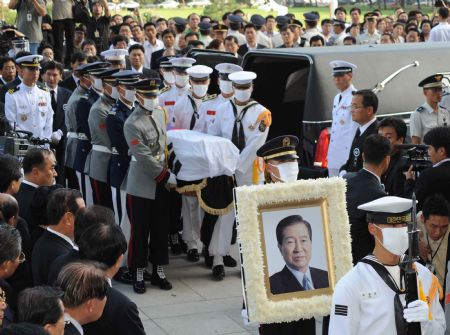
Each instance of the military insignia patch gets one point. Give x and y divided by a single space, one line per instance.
438 77
286 142
134 142
341 310
23 118
262 126
251 127
356 152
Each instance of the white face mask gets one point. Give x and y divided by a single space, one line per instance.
169 77
288 171
114 93
151 104
130 95
395 240
243 95
200 90
182 80
226 87
98 84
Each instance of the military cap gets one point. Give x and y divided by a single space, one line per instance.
107 75
337 22
182 62
388 210
225 69
30 61
204 26
282 20
148 87
115 55
434 81
180 21
280 148
127 77
258 20
199 72
295 22
235 18
167 65
311 17
370 16
340 67
220 27
242 77
96 66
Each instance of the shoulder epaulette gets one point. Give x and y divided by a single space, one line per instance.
14 89
443 108
165 89
420 109
209 97
42 87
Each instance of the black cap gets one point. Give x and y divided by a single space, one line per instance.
434 81
220 27
87 68
180 21
204 26
258 20
127 77
282 20
149 87
235 18
107 75
280 148
295 22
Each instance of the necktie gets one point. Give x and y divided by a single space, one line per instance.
358 133
305 283
53 100
238 137
340 97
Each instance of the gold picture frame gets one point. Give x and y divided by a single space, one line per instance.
264 261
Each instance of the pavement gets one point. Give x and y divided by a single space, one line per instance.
196 304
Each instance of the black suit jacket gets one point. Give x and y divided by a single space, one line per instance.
362 187
243 49
431 181
70 329
59 262
68 83
24 197
394 180
285 282
120 317
47 248
355 162
154 64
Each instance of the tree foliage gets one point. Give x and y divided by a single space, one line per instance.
219 7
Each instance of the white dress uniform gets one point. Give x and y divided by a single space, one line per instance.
30 109
168 98
240 37
263 39
208 111
364 303
255 129
343 128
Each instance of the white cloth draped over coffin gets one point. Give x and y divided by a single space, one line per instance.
204 164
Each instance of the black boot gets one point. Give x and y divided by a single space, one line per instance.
159 278
139 283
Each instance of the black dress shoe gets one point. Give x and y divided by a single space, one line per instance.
208 259
175 245
124 276
163 283
218 272
139 287
193 255
229 261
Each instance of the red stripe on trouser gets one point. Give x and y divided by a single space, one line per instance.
130 217
96 191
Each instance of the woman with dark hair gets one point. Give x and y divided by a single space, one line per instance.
216 44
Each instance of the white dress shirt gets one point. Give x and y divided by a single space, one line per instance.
440 33
149 49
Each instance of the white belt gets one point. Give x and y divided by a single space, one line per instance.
72 134
114 151
133 159
82 136
101 148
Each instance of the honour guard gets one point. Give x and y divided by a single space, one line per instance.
431 114
208 109
116 57
84 137
147 179
170 96
166 72
343 129
246 123
370 298
97 162
71 120
28 105
186 115
120 160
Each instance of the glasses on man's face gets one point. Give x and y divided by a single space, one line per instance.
21 258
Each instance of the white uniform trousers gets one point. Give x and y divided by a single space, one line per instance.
220 244
192 221
125 224
333 172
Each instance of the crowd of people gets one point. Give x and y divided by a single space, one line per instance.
103 199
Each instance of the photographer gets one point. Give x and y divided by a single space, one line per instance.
396 181
436 179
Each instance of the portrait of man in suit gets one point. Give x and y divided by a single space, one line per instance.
294 238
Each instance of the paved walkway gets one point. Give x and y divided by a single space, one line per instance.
195 305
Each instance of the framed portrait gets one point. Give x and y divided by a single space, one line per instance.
295 245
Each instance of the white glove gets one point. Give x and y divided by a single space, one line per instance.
417 311
247 322
56 136
172 179
342 173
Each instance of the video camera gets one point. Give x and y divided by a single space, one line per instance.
416 155
18 142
